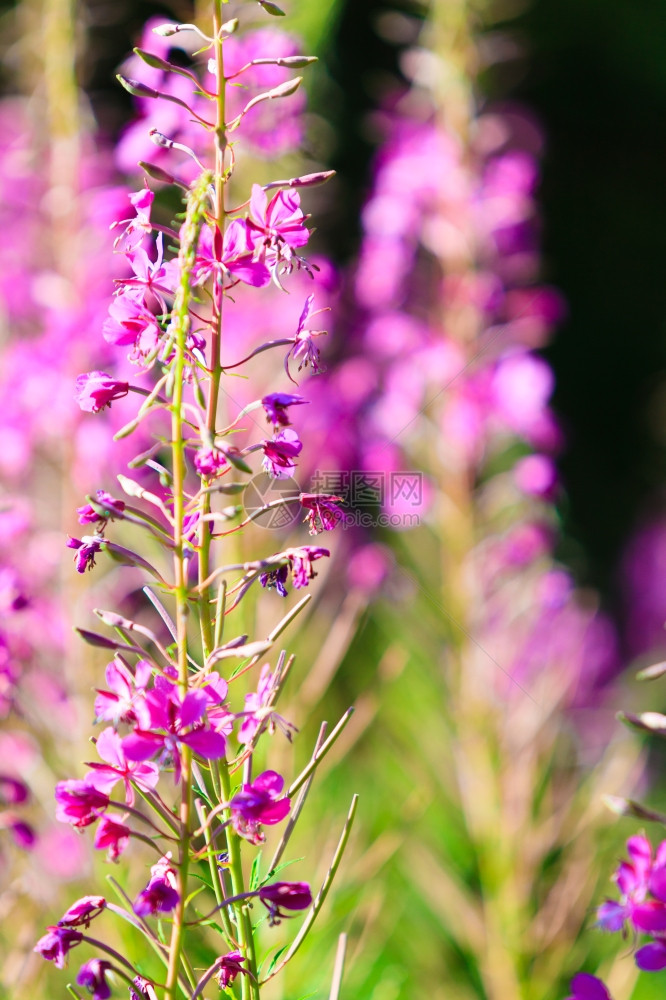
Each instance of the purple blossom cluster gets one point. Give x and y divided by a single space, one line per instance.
168 707
642 905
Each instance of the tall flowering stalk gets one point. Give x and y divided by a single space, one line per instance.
496 669
167 705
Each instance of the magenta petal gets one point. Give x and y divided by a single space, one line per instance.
237 240
611 916
270 782
103 778
23 834
207 743
658 884
640 851
119 679
109 747
145 775
141 745
275 812
252 272
649 916
588 987
106 705
193 707
216 689
157 701
258 204
144 672
652 957
626 878
660 859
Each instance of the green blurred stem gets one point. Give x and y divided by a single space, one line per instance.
181 326
218 888
250 983
216 325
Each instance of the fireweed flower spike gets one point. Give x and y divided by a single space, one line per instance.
179 725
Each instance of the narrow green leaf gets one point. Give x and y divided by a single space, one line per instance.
255 872
274 960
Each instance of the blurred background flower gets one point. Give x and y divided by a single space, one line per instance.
490 254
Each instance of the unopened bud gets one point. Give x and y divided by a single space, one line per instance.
155 62
165 30
271 8
306 180
229 27
159 139
284 90
135 87
157 173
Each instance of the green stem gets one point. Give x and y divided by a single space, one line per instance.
216 325
181 323
251 954
218 888
249 991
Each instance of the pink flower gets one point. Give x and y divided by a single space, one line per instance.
256 703
95 390
12 791
126 701
82 911
119 767
160 895
79 802
275 405
156 278
536 475
301 560
92 975
179 721
138 227
323 511
139 989
637 878
230 967
277 227
652 957
23 834
280 453
304 349
229 255
88 515
210 462
258 804
280 896
112 836
130 323
86 550
56 944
